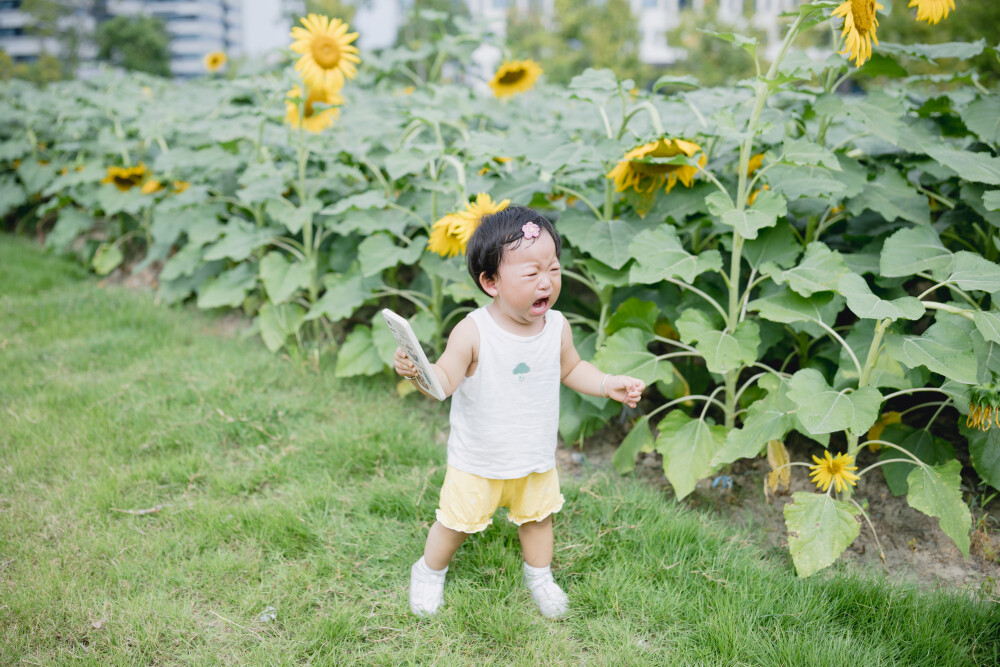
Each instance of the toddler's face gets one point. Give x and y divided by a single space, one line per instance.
528 280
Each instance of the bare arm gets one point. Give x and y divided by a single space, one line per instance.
584 377
459 354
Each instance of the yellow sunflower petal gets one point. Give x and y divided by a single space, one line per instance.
932 11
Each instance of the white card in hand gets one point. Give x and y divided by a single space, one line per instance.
407 340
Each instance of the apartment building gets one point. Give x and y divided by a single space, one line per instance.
196 27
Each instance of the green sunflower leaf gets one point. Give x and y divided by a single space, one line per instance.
776 245
766 419
240 240
379 251
819 529
988 324
805 152
891 196
867 305
639 439
825 410
982 116
358 355
292 217
764 213
625 352
71 223
971 271
943 348
913 250
606 240
979 167
819 271
688 447
229 288
634 313
811 181
931 52
659 254
921 443
107 258
936 491
282 278
984 450
278 322
344 294
991 200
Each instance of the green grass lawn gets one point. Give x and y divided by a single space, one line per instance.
282 487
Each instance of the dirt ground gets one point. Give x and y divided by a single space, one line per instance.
915 548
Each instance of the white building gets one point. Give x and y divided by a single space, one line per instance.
196 28
23 46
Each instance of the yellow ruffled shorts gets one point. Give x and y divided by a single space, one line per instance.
468 501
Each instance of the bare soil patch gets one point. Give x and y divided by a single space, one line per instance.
916 549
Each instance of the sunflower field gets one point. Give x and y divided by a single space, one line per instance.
774 257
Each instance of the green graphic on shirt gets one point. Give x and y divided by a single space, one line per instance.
521 370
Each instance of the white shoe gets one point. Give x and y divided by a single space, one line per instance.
426 589
551 600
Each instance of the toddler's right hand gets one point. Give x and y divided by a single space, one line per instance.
401 362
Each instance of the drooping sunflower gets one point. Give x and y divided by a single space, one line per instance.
125 178
446 235
313 119
984 407
646 177
215 61
515 76
932 11
834 469
327 53
860 23
152 186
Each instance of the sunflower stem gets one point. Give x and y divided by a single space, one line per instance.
581 197
609 201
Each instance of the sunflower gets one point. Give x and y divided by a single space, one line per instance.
755 162
984 407
327 53
514 77
475 212
181 186
313 120
645 177
859 28
753 195
214 61
152 186
932 11
834 469
446 236
125 178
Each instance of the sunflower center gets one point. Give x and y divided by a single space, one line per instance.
512 77
864 14
326 51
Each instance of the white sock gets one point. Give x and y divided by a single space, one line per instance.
533 573
422 564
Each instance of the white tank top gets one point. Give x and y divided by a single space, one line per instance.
505 417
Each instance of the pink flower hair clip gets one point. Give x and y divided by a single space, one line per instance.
530 230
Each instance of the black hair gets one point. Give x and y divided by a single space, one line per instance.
498 231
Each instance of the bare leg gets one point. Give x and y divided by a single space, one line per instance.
441 545
536 542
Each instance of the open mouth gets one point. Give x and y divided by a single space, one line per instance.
540 305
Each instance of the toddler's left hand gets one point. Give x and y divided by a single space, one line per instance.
624 389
